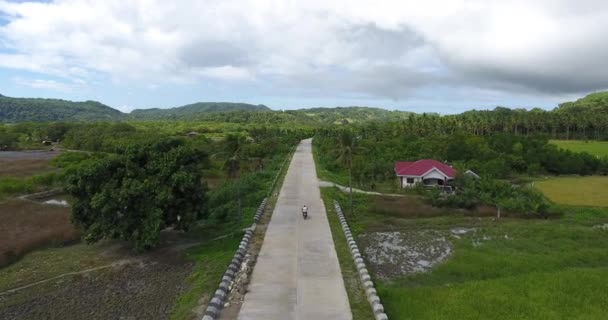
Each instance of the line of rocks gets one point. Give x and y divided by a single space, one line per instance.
370 291
260 211
217 302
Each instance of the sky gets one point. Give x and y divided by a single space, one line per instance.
443 56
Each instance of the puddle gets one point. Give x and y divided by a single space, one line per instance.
394 254
56 202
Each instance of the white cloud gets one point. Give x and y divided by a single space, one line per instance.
386 49
45 84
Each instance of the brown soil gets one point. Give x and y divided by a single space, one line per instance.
25 163
139 287
27 225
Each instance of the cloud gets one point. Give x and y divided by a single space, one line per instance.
388 49
46 84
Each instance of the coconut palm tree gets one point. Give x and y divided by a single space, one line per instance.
346 150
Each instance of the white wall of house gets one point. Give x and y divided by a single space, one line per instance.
412 181
432 176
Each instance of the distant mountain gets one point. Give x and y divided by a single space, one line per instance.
29 109
35 109
192 110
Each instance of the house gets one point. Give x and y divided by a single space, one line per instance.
426 171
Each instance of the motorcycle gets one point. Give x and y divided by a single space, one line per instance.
305 214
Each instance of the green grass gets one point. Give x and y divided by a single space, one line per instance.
576 191
576 293
211 260
359 306
597 148
542 269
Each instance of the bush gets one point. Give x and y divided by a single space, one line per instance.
10 185
67 159
513 199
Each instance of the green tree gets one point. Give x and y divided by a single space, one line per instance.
345 153
134 195
235 155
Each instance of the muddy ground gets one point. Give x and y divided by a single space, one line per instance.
27 225
25 163
132 287
396 253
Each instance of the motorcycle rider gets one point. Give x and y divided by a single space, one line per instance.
305 211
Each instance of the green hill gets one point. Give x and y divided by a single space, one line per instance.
192 110
29 109
594 102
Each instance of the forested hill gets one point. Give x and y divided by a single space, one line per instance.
192 110
592 103
35 109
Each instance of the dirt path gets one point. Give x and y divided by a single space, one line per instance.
297 275
346 189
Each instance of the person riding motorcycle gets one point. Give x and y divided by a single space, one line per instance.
305 211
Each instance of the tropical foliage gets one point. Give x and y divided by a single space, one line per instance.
134 195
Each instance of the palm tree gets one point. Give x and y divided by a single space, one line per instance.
232 164
345 152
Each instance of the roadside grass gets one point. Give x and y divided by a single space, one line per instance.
596 148
576 191
210 261
511 269
576 293
360 308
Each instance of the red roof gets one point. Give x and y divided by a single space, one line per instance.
421 167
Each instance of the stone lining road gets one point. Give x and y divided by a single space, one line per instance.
297 275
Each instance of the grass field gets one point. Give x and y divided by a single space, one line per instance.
513 269
598 148
576 191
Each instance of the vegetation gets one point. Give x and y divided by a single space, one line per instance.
210 261
495 269
28 109
585 118
188 111
576 191
135 195
516 200
596 148
499 155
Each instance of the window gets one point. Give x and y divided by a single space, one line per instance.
409 180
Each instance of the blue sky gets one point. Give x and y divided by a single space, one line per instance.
436 56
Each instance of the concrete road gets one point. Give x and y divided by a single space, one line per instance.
297 275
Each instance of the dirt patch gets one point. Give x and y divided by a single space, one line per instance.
398 253
28 225
25 163
143 287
